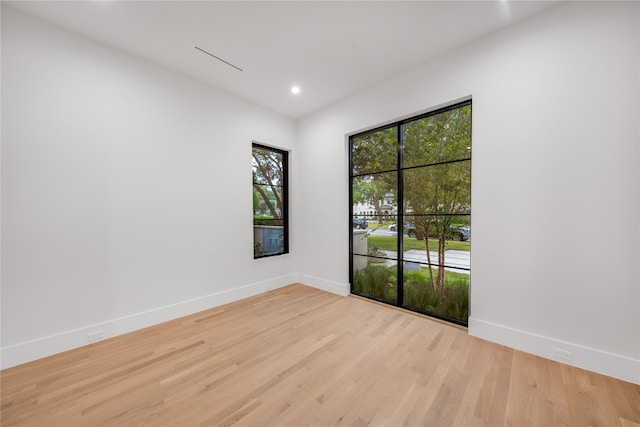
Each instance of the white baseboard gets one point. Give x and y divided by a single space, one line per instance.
613 365
617 366
342 289
58 343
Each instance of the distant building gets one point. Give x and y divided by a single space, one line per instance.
369 211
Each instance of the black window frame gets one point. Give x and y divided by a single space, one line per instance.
399 168
284 214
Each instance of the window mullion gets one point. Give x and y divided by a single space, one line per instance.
400 219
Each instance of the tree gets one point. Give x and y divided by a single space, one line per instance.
374 160
436 171
259 205
373 191
375 152
441 189
267 181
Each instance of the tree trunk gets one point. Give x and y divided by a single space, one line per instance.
266 200
379 212
264 173
441 286
426 242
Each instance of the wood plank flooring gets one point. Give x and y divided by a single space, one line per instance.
298 356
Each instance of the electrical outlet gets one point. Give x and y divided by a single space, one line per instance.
562 354
95 336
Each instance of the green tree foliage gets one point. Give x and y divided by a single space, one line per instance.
259 206
436 191
373 191
267 182
373 153
436 153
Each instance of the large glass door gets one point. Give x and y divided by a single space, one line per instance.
411 213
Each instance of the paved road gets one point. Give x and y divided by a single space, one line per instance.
383 232
453 259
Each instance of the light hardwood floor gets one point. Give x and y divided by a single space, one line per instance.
299 356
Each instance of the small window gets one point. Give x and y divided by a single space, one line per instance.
270 201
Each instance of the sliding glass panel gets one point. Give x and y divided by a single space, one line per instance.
375 151
376 278
438 138
447 298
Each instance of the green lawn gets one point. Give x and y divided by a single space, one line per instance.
389 243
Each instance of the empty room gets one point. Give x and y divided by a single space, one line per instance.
257 213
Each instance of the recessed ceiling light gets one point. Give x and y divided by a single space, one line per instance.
295 90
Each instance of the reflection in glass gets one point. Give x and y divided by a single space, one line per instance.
374 278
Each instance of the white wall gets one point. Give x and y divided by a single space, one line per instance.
125 201
126 195
555 193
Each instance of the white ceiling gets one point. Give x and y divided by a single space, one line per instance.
331 49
